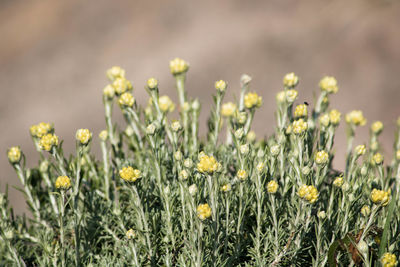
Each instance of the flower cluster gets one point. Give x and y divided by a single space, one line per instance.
329 85
252 100
178 66
299 126
166 104
203 211
321 157
389 260
272 187
300 111
130 174
48 141
83 136
63 182
14 154
356 118
41 129
290 80
207 164
309 193
380 197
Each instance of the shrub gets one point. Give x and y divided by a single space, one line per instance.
162 196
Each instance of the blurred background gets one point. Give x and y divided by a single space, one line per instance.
54 55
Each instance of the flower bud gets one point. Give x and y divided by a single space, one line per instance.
290 80
239 133
321 214
178 155
176 126
14 154
183 175
83 136
188 163
192 189
275 150
220 85
360 150
244 149
44 166
109 91
152 83
306 170
196 105
245 80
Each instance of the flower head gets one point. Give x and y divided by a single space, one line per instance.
39 130
299 126
380 197
152 83
356 118
241 174
377 159
63 182
178 66
360 150
130 174
321 157
377 127
329 85
281 97
103 135
115 72
183 175
252 100
14 154
121 85
192 189
228 109
109 91
203 211
166 104
338 182
220 85
272 187
226 188
130 234
290 80
389 260
207 164
291 95
321 214
48 141
126 100
334 116
365 210
300 111
324 120
83 136
308 192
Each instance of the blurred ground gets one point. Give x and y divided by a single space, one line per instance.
54 54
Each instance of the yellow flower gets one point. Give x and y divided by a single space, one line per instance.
299 126
389 260
398 154
360 150
152 83
291 95
365 210
338 182
130 174
324 120
109 91
121 85
220 85
377 127
281 97
241 174
321 157
300 111
130 234
207 164
226 188
356 118
176 126
260 166
377 158
251 136
48 141
103 135
290 80
272 187
83 136
380 197
252 100
178 66
308 192
321 214
126 100
166 104
14 154
41 129
115 72
334 116
203 211
63 182
329 85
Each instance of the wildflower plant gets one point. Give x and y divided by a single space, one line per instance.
161 195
